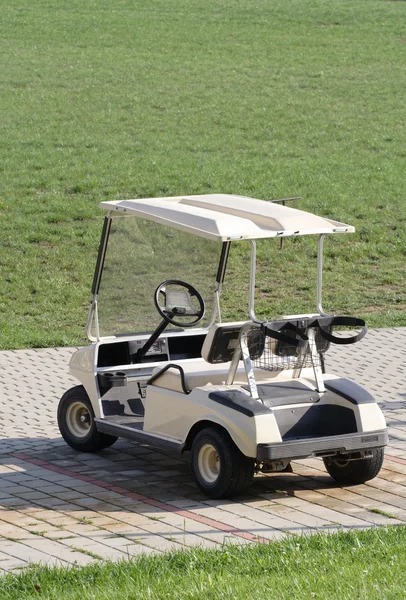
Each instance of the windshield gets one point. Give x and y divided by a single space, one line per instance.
141 255
285 279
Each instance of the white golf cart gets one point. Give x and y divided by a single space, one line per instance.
163 369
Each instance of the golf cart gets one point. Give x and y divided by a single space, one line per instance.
163 368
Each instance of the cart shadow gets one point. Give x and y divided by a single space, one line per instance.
130 481
141 469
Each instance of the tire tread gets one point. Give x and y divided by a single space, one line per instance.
96 440
237 472
359 471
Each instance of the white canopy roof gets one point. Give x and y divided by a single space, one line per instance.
225 217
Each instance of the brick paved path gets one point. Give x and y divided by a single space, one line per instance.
58 506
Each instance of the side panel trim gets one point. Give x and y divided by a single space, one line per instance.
349 390
137 436
240 402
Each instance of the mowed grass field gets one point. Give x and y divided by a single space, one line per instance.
266 98
366 565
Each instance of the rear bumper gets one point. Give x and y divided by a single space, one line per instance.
307 447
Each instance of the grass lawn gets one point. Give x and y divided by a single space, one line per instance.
267 98
355 565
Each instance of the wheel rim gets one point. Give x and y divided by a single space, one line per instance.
78 419
209 463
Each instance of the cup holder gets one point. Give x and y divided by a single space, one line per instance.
112 379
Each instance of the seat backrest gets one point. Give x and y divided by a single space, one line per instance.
220 342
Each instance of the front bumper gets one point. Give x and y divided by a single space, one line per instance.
308 447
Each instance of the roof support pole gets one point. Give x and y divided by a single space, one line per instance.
216 312
221 271
93 315
320 275
251 301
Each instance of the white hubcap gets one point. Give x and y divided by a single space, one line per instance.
208 463
78 419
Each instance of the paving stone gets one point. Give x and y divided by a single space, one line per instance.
202 529
297 516
71 512
12 564
239 523
92 547
29 553
134 550
156 542
263 517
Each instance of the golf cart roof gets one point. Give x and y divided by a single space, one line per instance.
225 217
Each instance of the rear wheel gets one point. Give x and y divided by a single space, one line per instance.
219 468
355 471
76 422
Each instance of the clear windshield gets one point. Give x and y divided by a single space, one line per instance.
285 279
142 254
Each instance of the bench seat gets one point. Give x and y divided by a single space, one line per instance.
200 373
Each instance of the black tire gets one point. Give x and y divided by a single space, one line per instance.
219 468
355 471
76 422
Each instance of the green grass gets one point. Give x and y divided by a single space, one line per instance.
384 513
268 98
364 565
87 552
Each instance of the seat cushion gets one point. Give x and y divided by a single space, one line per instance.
200 373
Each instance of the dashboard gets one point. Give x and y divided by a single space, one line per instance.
166 348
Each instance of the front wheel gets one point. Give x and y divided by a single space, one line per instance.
355 471
76 422
219 468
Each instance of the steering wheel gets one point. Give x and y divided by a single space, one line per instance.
174 300
177 302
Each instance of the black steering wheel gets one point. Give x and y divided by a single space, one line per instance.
177 302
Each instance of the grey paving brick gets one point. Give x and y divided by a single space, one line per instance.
29 553
69 512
